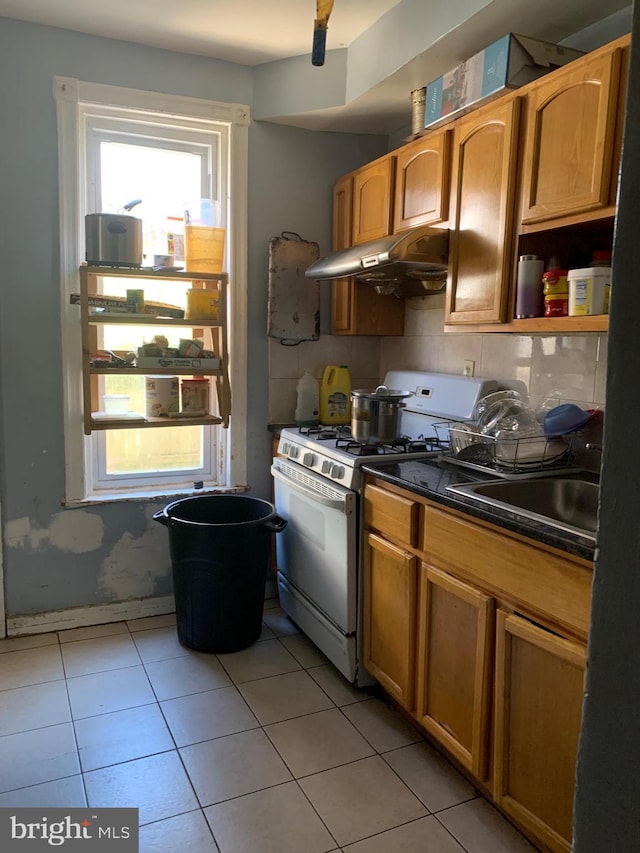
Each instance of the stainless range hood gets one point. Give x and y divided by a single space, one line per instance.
411 263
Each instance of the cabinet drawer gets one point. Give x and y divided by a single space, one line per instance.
397 516
537 580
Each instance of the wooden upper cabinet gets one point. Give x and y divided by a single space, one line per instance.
571 139
422 181
483 186
356 308
373 200
538 709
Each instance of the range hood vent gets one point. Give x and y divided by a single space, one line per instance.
412 263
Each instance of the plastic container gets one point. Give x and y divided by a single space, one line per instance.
335 395
589 291
556 293
220 549
116 404
204 238
308 403
161 396
194 395
202 305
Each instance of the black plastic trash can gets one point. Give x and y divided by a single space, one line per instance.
220 550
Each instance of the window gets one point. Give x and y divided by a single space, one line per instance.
116 146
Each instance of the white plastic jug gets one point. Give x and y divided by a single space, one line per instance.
307 407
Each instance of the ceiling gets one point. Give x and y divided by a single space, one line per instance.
407 56
248 32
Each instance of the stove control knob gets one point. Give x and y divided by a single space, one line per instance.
337 471
326 467
293 451
309 459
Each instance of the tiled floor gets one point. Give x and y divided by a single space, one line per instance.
268 750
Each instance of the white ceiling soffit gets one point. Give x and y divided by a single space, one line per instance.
378 51
384 104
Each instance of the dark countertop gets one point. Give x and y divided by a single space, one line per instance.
431 477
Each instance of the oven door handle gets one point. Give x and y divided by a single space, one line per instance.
317 497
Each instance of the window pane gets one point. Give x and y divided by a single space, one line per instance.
134 451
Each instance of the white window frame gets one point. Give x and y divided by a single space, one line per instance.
72 98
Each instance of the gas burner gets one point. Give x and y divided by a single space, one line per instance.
359 448
323 432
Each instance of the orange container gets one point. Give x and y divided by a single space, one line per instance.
204 248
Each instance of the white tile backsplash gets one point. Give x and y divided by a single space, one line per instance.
571 367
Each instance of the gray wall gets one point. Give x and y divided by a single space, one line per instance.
57 558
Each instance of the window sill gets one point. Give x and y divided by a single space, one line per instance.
146 495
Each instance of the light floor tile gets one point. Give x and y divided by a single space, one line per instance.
202 716
189 831
157 786
181 676
33 707
231 766
304 651
30 666
99 655
29 758
146 623
259 661
481 829
430 776
284 696
361 799
420 836
336 686
65 793
279 622
159 644
72 635
121 736
383 726
14 644
103 692
318 742
276 820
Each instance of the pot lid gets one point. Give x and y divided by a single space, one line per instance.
388 395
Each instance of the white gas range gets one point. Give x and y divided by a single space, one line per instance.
317 482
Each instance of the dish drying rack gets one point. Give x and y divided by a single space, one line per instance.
517 458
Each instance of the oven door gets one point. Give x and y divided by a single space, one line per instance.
316 552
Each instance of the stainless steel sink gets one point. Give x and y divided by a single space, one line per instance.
564 503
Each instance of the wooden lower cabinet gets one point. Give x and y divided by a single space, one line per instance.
455 647
538 706
481 636
390 617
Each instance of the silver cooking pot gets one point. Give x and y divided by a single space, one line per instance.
114 239
375 415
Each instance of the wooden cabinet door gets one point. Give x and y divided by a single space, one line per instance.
455 649
538 708
422 181
390 611
373 200
356 308
482 215
342 289
571 132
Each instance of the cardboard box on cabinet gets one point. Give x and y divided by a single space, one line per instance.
508 63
